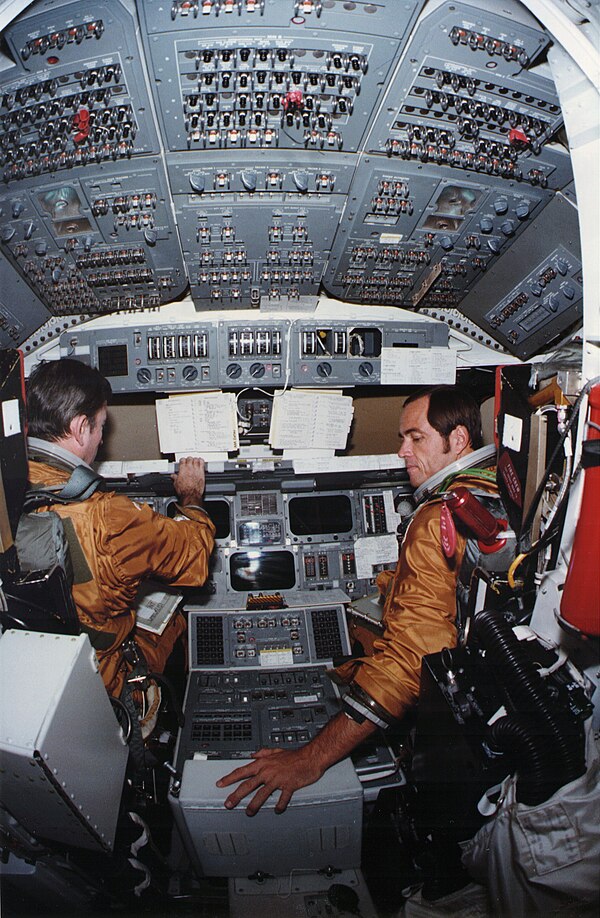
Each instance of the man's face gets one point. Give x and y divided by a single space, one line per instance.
94 434
424 450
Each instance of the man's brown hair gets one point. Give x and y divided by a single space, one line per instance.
60 390
450 406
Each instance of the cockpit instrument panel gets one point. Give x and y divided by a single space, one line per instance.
259 155
278 532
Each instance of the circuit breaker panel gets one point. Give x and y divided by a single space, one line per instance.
259 155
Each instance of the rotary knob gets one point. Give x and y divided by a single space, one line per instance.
301 181
324 370
198 181
234 371
249 180
366 369
189 373
257 370
552 302
522 210
144 375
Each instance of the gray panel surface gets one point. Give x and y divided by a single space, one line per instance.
222 90
102 239
216 72
86 218
463 95
266 350
21 311
323 824
412 222
238 245
534 292
62 750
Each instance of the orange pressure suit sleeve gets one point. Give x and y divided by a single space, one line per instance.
419 619
140 543
125 543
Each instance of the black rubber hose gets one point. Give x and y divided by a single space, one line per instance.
526 691
527 695
532 754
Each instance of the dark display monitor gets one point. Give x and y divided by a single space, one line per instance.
262 570
219 512
112 360
320 514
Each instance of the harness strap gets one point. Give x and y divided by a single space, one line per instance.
82 483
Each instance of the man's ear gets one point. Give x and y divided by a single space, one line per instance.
460 439
78 428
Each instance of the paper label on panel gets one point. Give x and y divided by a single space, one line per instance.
418 366
373 552
278 656
10 417
512 432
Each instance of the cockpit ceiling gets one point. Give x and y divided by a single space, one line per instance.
258 155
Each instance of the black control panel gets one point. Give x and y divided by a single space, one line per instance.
258 678
230 714
272 637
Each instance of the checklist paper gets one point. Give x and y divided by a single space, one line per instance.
198 423
308 419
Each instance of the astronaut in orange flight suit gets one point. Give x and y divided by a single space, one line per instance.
438 427
115 543
419 615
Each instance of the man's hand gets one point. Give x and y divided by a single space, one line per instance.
289 770
272 769
189 481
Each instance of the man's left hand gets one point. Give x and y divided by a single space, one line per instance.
189 481
271 770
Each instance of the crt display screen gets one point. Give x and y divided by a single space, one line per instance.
218 510
320 514
262 570
112 360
